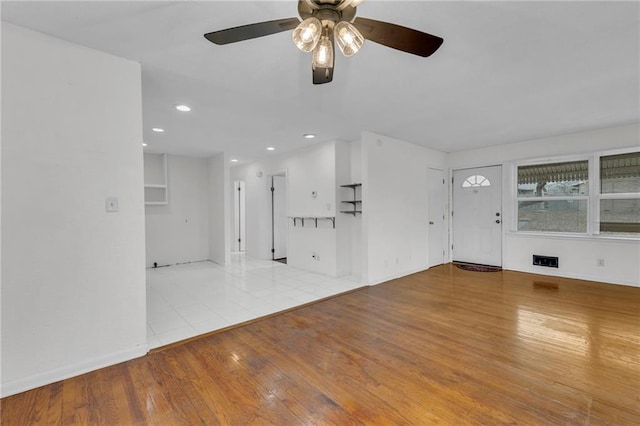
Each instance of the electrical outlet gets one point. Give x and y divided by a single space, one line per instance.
600 262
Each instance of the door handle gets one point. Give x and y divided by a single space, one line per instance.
497 220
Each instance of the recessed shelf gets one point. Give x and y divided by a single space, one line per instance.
355 201
155 168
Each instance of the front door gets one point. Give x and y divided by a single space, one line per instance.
477 215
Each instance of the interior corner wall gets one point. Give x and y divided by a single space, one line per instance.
219 209
178 232
73 278
395 206
578 255
344 221
355 176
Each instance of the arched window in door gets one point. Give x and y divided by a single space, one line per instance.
475 180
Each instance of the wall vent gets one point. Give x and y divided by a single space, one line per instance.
548 261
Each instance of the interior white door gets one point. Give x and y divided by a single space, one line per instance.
477 215
279 216
436 194
239 215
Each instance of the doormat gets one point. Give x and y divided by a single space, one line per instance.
478 268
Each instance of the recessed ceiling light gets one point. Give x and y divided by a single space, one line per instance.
183 108
144 144
271 148
158 130
234 160
309 135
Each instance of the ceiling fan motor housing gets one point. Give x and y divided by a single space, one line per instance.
326 12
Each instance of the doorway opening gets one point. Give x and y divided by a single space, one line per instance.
239 216
279 225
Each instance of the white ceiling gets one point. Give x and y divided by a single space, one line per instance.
507 72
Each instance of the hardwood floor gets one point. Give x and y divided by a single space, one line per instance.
443 346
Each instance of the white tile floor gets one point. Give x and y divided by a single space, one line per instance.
191 299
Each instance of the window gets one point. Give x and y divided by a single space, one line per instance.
619 200
553 197
475 181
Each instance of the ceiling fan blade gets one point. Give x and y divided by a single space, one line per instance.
246 32
398 37
322 75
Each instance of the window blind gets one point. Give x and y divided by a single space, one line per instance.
554 172
620 166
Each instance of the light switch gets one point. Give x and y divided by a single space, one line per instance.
111 205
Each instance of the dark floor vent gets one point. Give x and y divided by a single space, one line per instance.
548 261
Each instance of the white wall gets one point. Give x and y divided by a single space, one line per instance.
220 224
73 278
308 170
355 243
344 222
578 254
575 143
179 231
395 210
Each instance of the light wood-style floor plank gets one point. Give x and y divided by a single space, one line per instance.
444 346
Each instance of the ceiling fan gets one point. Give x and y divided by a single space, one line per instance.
327 21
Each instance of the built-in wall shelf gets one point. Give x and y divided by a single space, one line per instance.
355 202
156 191
315 220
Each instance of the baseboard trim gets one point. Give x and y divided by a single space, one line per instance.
396 276
31 382
584 277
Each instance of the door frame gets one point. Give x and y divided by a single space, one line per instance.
505 180
445 222
269 229
239 216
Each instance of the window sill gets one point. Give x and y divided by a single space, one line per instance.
567 236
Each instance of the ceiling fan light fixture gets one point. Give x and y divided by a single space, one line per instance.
307 34
348 38
323 54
